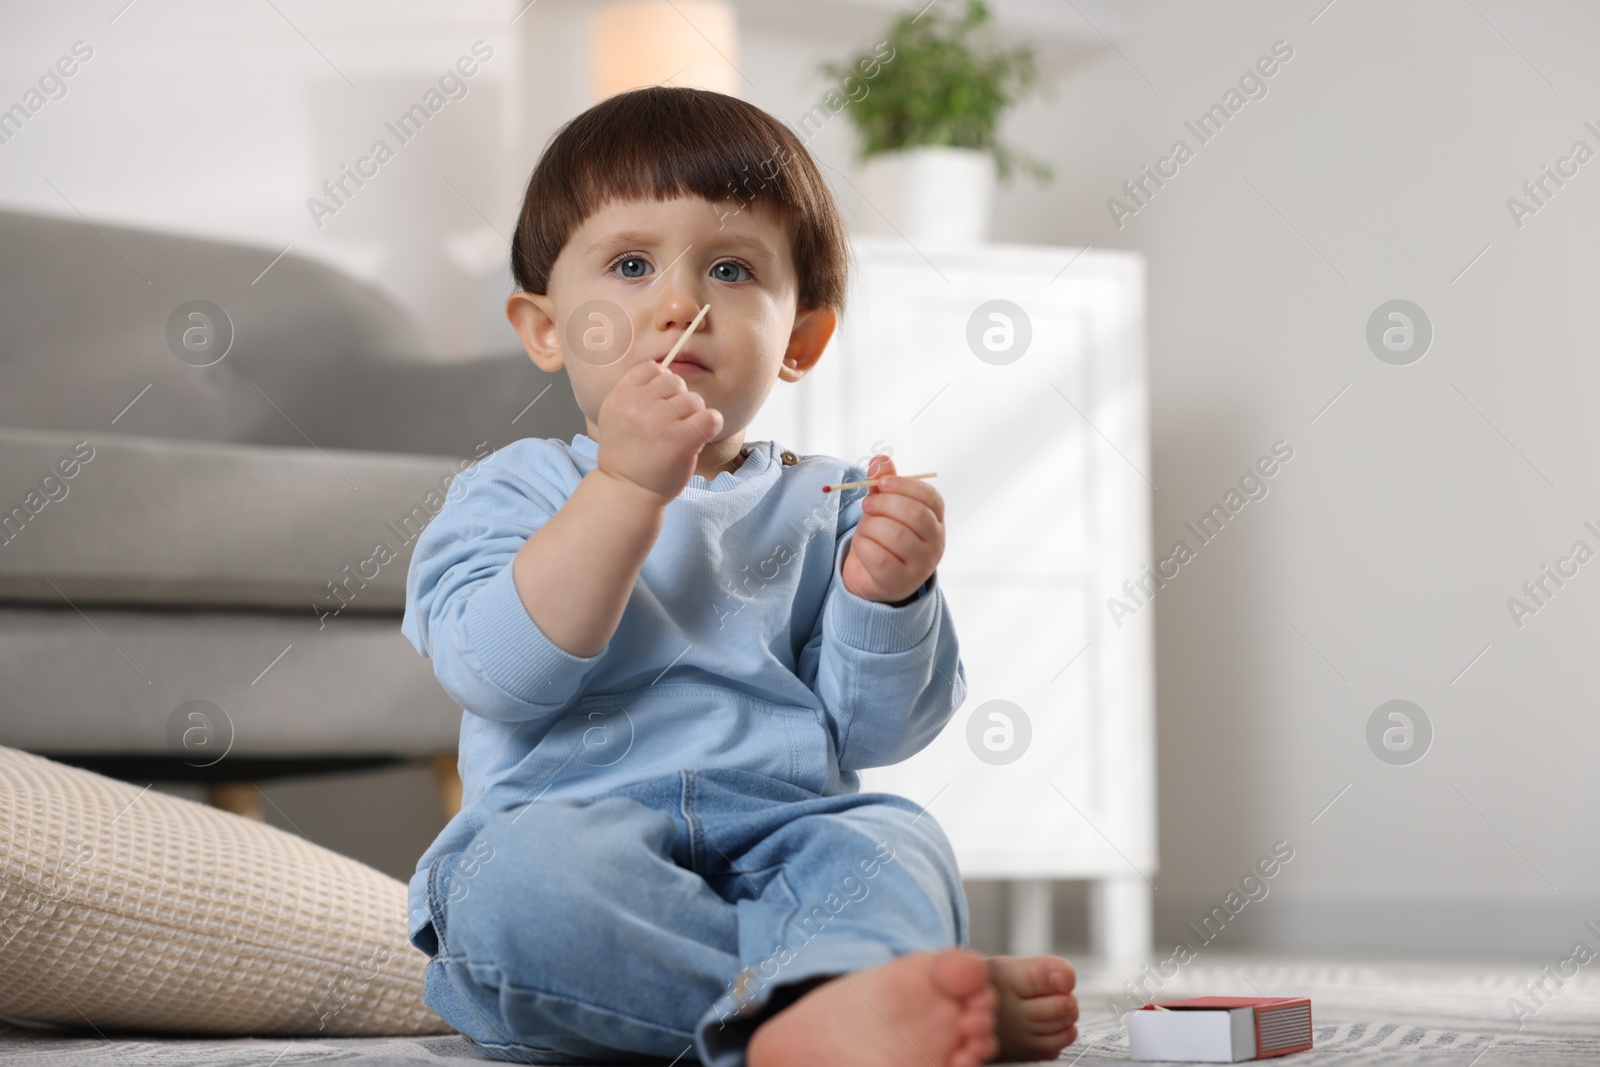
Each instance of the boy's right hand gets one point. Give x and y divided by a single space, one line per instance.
652 428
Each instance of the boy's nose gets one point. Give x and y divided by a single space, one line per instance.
679 292
677 313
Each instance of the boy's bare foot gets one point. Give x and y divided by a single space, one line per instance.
922 1008
1036 1016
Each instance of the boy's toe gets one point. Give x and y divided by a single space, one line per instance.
1052 974
978 1019
961 973
1034 976
1050 1013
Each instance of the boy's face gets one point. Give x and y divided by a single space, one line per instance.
658 263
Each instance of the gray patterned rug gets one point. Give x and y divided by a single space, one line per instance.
1389 1013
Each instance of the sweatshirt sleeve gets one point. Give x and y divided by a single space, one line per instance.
463 610
889 678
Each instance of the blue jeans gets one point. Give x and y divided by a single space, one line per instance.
676 913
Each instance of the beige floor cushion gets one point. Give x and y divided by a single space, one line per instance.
124 907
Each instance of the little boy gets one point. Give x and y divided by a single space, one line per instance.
674 653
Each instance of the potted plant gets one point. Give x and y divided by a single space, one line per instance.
927 121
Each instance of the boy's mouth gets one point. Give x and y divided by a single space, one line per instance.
687 362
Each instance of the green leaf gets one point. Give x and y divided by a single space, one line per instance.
947 83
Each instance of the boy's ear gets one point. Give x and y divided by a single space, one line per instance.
812 329
532 315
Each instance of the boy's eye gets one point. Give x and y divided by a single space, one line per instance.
730 265
623 264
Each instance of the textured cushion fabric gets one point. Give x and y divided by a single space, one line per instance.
316 353
151 521
123 907
111 681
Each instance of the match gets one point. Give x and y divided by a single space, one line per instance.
667 359
874 481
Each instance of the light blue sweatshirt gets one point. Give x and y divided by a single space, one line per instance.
739 647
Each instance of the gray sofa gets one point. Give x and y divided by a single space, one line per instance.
191 584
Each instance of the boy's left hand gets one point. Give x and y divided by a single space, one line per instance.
899 540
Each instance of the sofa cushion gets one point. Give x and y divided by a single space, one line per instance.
128 908
114 519
72 362
115 681
86 317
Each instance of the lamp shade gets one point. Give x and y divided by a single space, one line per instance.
654 42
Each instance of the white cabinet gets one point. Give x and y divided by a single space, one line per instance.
1043 460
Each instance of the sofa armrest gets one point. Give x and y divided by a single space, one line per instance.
116 519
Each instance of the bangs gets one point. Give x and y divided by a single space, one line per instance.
663 142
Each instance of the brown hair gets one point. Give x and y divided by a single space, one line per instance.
662 142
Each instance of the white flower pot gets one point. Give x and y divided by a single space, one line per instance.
930 195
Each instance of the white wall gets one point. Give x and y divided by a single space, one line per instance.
1415 506
223 121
